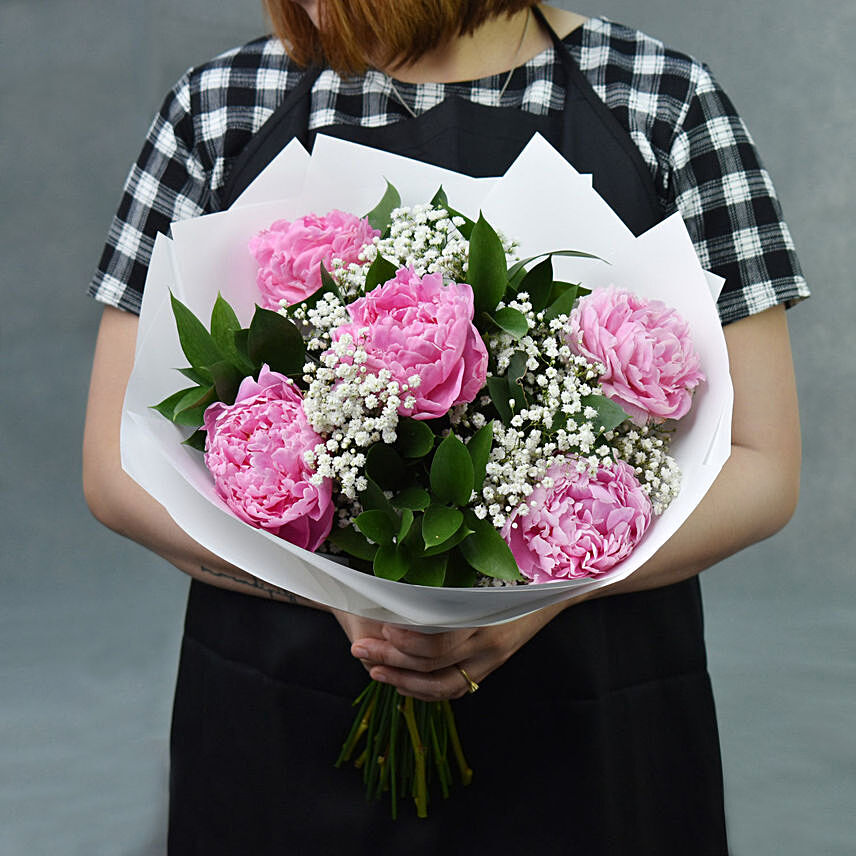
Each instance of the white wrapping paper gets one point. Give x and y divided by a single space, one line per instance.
544 204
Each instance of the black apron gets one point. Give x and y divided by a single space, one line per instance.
598 737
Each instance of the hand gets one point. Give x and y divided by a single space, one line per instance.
425 665
356 628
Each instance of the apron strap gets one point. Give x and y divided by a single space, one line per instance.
578 132
266 144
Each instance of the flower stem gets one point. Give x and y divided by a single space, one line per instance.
420 788
463 766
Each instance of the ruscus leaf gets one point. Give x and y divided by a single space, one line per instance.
451 472
376 526
439 524
486 271
391 562
379 216
487 552
276 341
414 438
479 449
197 343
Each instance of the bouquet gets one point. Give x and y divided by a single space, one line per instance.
421 398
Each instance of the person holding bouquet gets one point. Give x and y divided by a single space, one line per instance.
594 729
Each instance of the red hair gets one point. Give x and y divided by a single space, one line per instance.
354 35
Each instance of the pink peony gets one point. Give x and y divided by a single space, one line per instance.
289 254
581 526
651 365
254 451
418 326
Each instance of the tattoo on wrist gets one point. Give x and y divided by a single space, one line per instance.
271 591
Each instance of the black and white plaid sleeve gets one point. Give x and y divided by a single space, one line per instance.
205 121
703 162
730 206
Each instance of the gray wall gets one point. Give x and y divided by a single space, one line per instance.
89 624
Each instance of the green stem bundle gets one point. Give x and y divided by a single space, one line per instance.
406 746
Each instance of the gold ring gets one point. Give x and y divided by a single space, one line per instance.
472 686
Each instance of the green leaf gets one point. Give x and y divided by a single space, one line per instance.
380 215
439 524
516 371
391 562
385 466
517 366
451 473
276 341
196 342
201 376
514 270
449 543
486 272
354 543
537 283
414 498
487 552
609 414
227 378
500 395
415 439
407 518
459 573
440 200
427 571
191 407
374 498
562 305
224 326
242 342
512 321
479 449
167 406
196 440
380 271
376 526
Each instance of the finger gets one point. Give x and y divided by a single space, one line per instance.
446 684
429 645
387 654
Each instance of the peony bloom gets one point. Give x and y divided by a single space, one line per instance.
254 451
581 526
416 326
651 365
289 254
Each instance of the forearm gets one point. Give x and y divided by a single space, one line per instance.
749 501
756 492
118 501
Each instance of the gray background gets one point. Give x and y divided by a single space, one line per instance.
89 624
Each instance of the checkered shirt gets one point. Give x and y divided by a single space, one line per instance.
701 157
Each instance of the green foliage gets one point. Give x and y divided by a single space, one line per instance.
429 571
379 217
609 414
380 271
354 543
487 552
376 526
385 466
391 562
276 341
451 474
439 524
486 270
479 449
415 439
512 321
